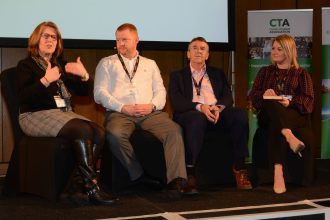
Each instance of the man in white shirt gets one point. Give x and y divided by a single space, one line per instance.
131 89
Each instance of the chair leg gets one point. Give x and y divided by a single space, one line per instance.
12 180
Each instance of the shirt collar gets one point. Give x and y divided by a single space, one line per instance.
198 72
130 60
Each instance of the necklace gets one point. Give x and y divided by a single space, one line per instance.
280 79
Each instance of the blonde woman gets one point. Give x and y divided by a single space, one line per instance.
283 95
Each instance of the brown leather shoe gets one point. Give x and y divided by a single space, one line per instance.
190 187
242 179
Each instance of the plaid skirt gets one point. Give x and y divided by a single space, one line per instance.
46 123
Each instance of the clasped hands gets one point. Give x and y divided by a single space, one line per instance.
271 92
137 110
212 112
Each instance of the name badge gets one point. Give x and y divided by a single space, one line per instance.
60 103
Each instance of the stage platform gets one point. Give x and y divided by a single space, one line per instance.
213 202
308 209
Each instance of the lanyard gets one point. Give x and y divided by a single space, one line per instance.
125 68
198 85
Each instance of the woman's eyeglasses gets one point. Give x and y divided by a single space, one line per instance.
51 36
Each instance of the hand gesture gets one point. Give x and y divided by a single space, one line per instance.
76 68
52 74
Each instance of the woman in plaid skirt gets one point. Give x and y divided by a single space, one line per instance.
45 83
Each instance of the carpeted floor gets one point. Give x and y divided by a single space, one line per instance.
145 202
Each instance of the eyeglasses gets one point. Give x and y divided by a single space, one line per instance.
47 36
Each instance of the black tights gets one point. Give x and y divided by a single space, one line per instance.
81 129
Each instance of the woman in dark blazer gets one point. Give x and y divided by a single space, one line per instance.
45 83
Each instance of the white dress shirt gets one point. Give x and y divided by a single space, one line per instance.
113 89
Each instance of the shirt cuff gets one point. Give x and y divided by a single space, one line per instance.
154 108
222 107
198 107
85 77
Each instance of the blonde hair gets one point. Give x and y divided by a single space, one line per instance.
33 43
290 49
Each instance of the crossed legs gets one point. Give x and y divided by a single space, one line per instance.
280 120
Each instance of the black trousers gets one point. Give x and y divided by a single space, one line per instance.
195 124
274 117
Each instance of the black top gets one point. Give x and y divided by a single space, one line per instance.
33 95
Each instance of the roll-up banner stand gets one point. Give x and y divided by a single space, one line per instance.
325 123
263 26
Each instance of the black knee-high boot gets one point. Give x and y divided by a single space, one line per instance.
74 191
84 158
97 150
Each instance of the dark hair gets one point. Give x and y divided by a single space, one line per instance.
202 39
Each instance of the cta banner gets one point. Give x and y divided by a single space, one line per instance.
325 143
263 26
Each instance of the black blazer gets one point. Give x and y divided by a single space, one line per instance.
181 89
33 95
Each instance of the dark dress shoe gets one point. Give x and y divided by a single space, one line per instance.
98 197
174 189
242 179
149 181
190 187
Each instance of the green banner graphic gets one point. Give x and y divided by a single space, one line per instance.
263 26
325 89
325 123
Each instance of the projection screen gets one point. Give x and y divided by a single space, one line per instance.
163 24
